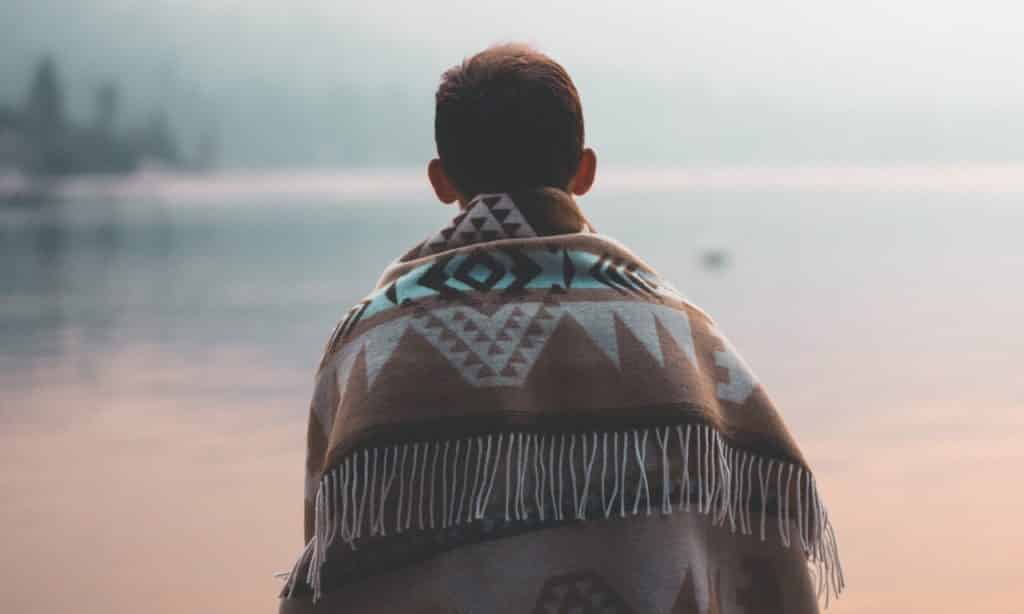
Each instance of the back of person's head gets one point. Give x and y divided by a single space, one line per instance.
508 118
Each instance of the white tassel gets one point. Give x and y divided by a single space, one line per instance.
719 502
663 435
561 467
551 480
465 482
388 486
350 530
373 487
610 501
572 474
444 489
479 476
340 529
732 490
423 481
786 513
710 472
520 477
581 504
468 487
538 475
433 486
359 497
485 501
800 511
335 522
700 479
367 489
293 576
524 476
508 475
399 526
640 447
750 491
764 492
453 513
684 478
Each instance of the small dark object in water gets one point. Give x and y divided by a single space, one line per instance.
714 259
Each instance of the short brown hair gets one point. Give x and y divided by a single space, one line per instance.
508 118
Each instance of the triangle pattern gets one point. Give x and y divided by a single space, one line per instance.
488 217
600 326
639 319
490 350
642 320
509 348
678 325
380 344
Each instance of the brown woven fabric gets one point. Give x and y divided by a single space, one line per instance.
517 373
675 564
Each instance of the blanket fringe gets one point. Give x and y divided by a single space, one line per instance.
563 477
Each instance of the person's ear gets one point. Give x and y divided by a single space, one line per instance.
443 187
583 180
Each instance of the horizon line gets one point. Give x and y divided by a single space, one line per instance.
390 183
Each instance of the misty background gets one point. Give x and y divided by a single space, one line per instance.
317 84
840 184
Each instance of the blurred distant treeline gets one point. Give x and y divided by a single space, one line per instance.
39 139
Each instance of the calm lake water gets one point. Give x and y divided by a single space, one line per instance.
156 361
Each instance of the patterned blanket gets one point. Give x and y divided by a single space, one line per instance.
518 379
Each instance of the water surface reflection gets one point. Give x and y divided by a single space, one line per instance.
155 364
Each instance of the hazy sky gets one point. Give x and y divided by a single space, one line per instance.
318 82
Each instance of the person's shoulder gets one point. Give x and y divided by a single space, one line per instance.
615 254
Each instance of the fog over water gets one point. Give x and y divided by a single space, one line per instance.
351 83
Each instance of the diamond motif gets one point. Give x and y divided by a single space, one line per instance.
479 260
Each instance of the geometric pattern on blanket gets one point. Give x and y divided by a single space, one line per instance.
488 217
507 385
479 279
499 348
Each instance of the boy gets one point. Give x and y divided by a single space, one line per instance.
524 417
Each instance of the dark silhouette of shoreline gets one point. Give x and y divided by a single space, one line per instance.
41 144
